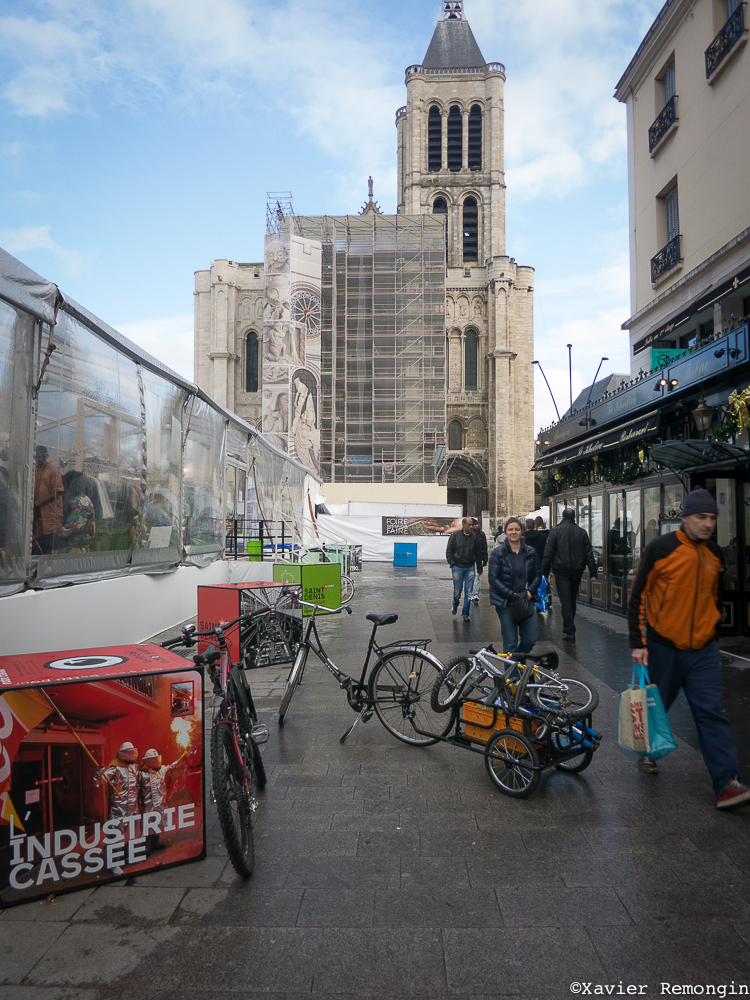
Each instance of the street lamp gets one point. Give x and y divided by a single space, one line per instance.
587 421
702 415
548 386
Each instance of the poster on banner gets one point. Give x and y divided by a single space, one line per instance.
99 779
421 525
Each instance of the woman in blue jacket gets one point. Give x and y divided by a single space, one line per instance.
514 568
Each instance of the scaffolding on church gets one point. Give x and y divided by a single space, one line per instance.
279 212
383 345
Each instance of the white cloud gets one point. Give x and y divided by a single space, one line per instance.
31 238
170 340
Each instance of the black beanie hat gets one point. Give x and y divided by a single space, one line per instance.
699 502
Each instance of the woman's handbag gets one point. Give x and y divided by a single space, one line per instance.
521 608
643 724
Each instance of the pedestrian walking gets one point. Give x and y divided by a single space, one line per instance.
673 614
567 553
514 570
483 553
535 538
461 555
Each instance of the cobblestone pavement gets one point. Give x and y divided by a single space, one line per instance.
388 870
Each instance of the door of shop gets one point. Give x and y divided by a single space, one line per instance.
53 787
732 492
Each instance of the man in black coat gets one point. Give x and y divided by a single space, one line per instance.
567 553
461 555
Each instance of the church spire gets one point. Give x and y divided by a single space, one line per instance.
453 45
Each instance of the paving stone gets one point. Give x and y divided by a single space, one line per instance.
531 906
23 945
502 871
100 954
382 843
624 869
271 960
671 904
301 841
336 908
61 908
434 874
689 954
243 905
133 906
322 873
410 908
532 960
380 960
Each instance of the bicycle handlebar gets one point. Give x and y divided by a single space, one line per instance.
188 635
320 607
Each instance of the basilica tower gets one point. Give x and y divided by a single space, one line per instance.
451 163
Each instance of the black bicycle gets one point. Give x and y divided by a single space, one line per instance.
237 769
397 688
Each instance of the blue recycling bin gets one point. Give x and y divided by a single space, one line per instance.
404 553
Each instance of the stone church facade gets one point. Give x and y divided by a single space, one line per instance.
450 163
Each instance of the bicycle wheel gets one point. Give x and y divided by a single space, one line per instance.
261 778
449 684
234 801
347 589
292 682
399 689
566 697
561 743
510 760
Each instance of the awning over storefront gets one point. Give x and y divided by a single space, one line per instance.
635 430
683 456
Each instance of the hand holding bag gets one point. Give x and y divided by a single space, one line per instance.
643 724
520 608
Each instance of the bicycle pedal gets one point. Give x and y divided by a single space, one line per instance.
366 716
260 734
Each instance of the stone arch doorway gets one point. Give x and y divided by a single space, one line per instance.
468 485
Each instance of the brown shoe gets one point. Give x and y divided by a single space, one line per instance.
466 618
455 609
648 765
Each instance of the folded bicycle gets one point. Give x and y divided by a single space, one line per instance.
237 771
397 688
520 714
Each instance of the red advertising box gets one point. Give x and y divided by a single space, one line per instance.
101 767
224 602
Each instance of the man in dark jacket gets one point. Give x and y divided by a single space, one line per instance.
461 555
536 539
484 555
567 553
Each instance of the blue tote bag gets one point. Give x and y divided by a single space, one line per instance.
542 601
655 739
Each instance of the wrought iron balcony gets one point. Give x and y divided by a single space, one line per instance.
667 258
663 123
727 38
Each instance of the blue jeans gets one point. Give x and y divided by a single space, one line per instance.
516 638
463 578
698 671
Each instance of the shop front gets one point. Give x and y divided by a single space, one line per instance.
627 480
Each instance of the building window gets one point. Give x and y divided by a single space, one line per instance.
477 434
455 436
251 362
730 6
669 83
471 230
475 138
440 206
470 361
434 140
455 138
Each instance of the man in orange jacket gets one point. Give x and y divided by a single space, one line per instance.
673 615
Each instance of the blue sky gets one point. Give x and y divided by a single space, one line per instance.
138 140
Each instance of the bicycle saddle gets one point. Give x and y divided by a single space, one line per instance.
382 619
210 656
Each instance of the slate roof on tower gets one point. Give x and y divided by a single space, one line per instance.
453 45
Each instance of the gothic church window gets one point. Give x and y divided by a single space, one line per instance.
434 140
470 361
455 436
475 138
471 230
251 362
455 138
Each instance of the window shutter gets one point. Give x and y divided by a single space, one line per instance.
730 6
673 215
669 86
